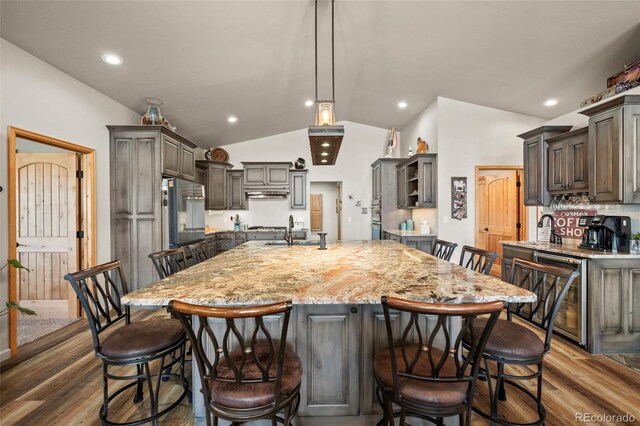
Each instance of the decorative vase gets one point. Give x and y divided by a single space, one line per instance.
635 247
236 226
153 116
299 164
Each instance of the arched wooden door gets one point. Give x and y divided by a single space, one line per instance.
47 244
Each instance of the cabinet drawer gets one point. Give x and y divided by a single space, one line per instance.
225 236
241 237
225 245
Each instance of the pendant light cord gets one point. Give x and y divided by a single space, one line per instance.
333 69
316 51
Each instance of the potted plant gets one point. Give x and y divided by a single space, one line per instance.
11 304
635 243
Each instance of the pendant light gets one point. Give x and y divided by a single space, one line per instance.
325 137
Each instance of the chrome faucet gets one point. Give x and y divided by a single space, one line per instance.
288 236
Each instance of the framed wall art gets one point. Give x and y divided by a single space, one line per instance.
459 198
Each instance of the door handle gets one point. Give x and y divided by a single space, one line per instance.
486 229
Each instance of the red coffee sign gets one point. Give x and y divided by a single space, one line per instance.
567 222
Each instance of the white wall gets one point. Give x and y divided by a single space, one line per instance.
361 146
423 125
329 192
37 97
466 135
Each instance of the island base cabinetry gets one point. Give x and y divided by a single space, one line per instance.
614 306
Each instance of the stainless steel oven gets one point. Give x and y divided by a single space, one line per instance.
572 316
376 215
376 231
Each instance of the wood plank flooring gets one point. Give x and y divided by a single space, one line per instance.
57 380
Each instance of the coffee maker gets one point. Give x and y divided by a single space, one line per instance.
606 233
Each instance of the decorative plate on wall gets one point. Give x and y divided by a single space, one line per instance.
216 154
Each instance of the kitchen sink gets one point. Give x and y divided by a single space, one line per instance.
295 243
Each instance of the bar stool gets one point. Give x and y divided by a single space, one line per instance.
255 378
198 251
443 249
161 341
478 260
424 380
168 262
514 344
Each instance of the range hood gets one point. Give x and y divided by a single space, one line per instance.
267 194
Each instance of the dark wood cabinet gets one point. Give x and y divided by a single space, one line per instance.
236 197
568 170
328 343
419 242
261 175
535 156
376 182
298 185
139 157
178 158
614 305
508 253
215 189
614 144
201 174
418 182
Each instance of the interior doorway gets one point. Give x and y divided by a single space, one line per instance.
326 209
500 211
51 229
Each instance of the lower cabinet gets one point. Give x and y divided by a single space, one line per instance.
420 242
220 242
328 343
614 306
508 253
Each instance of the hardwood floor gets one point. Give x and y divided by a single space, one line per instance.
58 380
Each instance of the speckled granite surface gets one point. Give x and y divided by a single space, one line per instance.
413 233
571 251
356 272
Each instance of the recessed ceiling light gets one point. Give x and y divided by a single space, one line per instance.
232 119
324 154
309 103
112 59
323 160
551 102
326 144
402 104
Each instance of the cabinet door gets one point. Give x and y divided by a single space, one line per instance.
235 191
187 163
376 182
255 175
171 151
605 156
328 343
535 194
425 245
401 187
632 154
557 166
428 182
216 190
201 176
577 164
298 197
278 176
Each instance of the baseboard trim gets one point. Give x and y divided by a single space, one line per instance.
5 354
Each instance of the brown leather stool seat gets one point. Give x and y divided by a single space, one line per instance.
510 340
252 395
142 338
421 391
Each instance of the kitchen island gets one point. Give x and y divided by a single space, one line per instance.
337 322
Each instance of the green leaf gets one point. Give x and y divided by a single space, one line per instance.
14 305
16 264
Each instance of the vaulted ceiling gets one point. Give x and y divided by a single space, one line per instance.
208 60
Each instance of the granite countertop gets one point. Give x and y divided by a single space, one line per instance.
355 272
571 251
212 231
413 233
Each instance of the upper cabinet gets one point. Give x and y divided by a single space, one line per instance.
567 163
614 150
236 198
376 182
266 175
418 182
178 158
215 189
536 190
298 196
